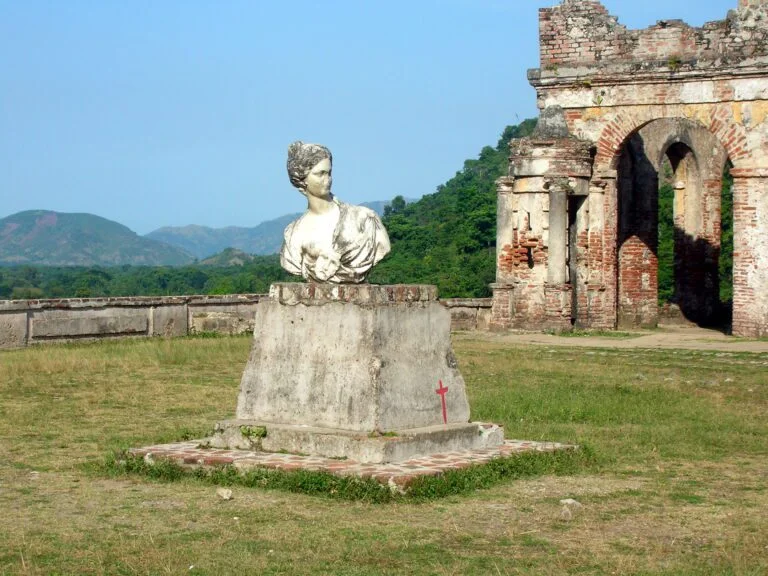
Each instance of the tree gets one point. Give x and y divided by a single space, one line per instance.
725 263
449 238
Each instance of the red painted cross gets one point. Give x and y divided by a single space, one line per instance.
442 390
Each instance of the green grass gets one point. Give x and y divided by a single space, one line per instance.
581 332
323 484
670 404
674 481
526 465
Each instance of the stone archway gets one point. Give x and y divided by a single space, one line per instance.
705 90
695 159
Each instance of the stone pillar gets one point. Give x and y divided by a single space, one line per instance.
750 257
600 308
558 235
637 188
354 371
532 289
501 307
697 247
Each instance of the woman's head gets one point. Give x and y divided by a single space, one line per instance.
302 158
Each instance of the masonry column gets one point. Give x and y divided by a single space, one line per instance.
599 309
522 241
533 288
750 256
506 258
558 235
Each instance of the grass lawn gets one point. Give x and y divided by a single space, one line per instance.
680 488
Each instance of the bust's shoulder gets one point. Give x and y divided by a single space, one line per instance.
364 210
299 221
356 212
288 231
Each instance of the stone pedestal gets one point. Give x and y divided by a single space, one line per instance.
359 371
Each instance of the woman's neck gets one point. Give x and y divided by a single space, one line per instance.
319 205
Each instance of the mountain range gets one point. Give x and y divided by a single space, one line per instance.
266 238
44 237
48 238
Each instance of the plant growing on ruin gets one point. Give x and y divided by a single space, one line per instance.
674 63
253 432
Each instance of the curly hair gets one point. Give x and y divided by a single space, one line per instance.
302 158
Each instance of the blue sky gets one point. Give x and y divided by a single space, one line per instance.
180 112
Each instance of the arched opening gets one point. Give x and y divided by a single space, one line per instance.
670 174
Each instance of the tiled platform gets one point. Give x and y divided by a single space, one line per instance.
397 475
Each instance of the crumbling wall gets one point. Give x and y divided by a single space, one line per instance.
609 82
581 33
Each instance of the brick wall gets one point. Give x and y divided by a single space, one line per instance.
582 32
750 255
609 83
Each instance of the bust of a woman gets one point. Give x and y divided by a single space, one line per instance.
332 241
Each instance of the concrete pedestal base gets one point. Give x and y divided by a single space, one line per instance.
362 372
364 448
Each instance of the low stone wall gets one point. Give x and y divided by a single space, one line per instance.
24 322
469 313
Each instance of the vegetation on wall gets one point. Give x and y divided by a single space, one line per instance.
666 245
726 238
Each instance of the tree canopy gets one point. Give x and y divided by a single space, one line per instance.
448 238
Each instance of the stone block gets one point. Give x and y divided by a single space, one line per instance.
357 446
13 330
63 324
222 319
463 318
361 358
169 320
483 319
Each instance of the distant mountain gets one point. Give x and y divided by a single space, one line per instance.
202 241
266 238
228 257
58 239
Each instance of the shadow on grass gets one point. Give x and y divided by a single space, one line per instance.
422 489
582 332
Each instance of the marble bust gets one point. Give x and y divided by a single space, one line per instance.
332 241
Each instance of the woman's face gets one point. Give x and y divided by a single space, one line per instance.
318 181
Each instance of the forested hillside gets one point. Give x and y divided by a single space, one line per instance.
449 238
25 282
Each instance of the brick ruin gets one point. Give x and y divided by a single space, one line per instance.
577 239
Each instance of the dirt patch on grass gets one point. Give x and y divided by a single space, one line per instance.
671 337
